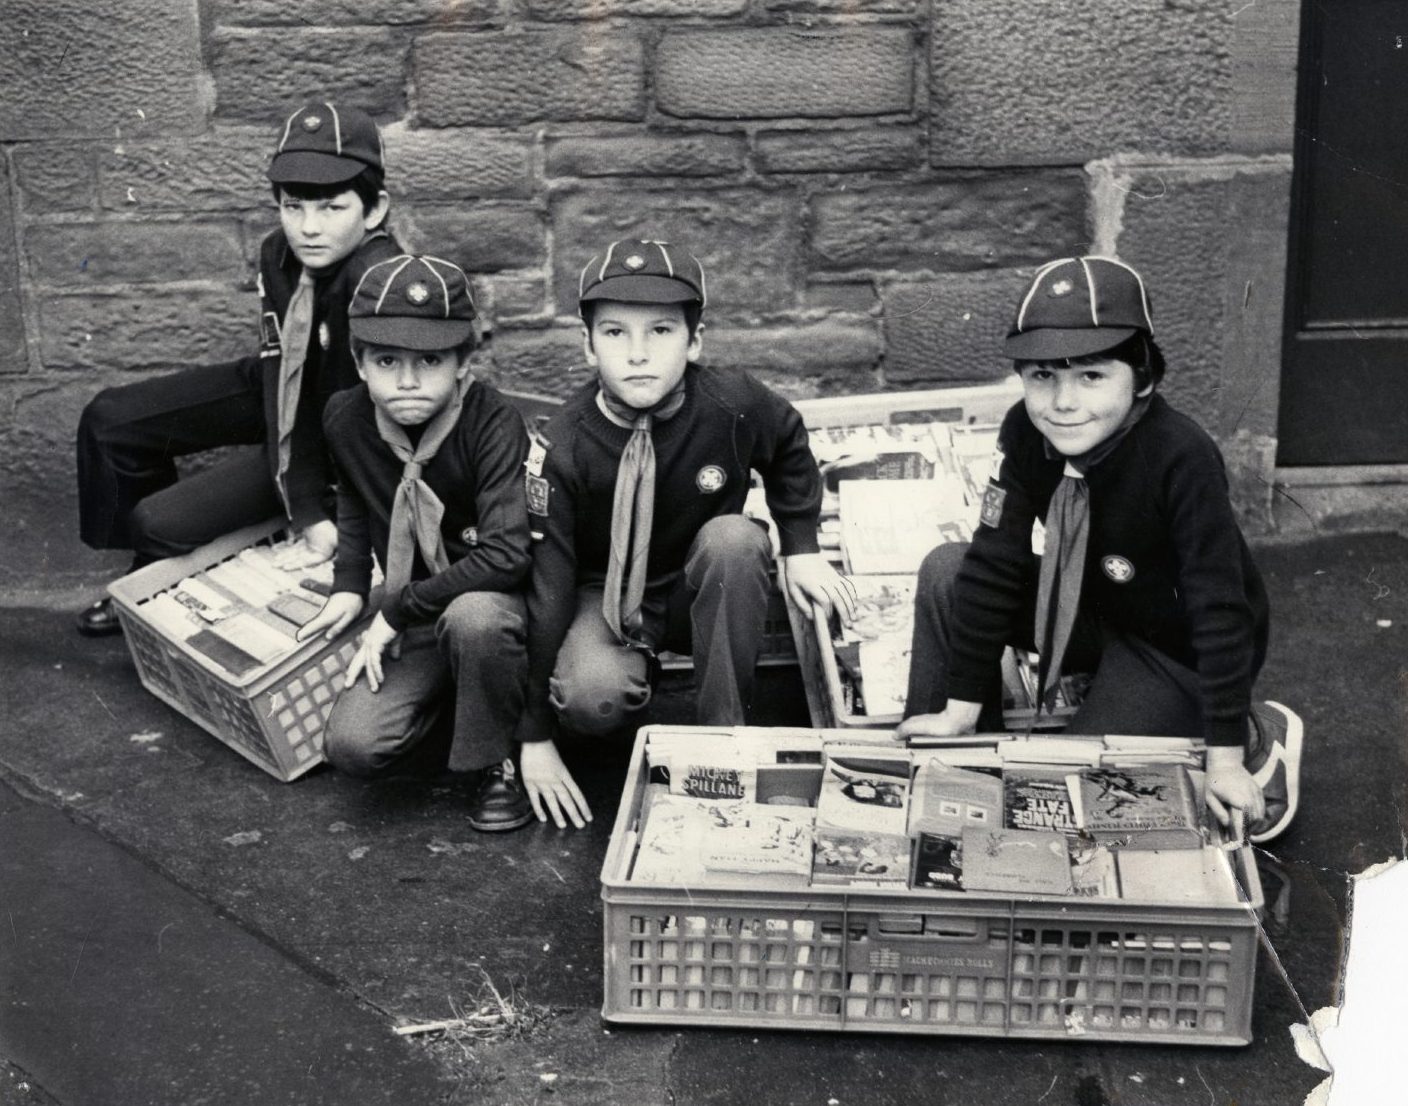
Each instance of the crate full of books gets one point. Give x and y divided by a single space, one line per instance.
212 634
901 473
836 879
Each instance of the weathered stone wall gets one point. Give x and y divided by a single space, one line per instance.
868 182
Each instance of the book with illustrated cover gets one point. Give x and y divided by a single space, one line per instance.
860 859
938 862
1019 862
1037 799
865 791
946 799
884 609
1151 806
760 840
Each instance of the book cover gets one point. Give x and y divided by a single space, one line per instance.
1182 876
867 793
746 837
1037 799
938 862
1020 862
887 526
1151 806
860 859
946 799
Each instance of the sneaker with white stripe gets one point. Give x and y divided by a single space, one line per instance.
1273 759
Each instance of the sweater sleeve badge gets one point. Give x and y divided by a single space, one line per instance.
993 499
270 335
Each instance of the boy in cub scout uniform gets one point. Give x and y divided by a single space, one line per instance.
636 489
1145 579
430 480
327 173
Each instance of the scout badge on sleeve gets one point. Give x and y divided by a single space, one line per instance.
534 484
993 499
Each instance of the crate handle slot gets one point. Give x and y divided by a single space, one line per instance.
951 929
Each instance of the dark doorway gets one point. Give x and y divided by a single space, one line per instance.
1344 381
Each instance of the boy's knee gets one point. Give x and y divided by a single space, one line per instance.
599 700
734 542
350 749
104 411
939 569
482 620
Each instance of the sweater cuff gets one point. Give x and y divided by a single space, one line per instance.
1233 732
354 579
798 536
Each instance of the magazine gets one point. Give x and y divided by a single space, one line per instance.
1151 806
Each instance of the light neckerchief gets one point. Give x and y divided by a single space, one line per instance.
632 511
294 335
1063 561
417 511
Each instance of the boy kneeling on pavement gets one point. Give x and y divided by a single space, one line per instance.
637 488
1145 580
429 464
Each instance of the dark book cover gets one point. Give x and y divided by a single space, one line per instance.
1037 799
938 862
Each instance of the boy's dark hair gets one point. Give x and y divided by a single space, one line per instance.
368 184
461 351
693 312
1140 352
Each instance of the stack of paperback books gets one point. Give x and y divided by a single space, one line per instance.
242 614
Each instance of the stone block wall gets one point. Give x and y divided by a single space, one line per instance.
868 183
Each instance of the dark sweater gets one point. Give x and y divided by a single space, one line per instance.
729 424
329 366
477 474
1159 504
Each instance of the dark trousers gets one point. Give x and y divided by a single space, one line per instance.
1135 689
715 611
476 655
128 440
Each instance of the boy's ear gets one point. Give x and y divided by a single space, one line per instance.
1147 390
588 351
374 216
696 342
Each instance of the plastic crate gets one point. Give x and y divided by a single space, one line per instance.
926 962
272 716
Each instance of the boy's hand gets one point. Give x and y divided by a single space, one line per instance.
374 643
339 612
551 788
811 580
1232 794
316 544
958 717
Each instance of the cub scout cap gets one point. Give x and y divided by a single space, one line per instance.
411 302
639 271
324 144
1076 307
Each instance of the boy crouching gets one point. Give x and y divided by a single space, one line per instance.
637 487
429 464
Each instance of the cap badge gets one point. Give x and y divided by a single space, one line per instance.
1062 287
417 293
312 122
634 262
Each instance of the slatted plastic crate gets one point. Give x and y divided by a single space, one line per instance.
272 715
927 962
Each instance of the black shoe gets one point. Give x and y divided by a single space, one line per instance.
99 620
499 803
